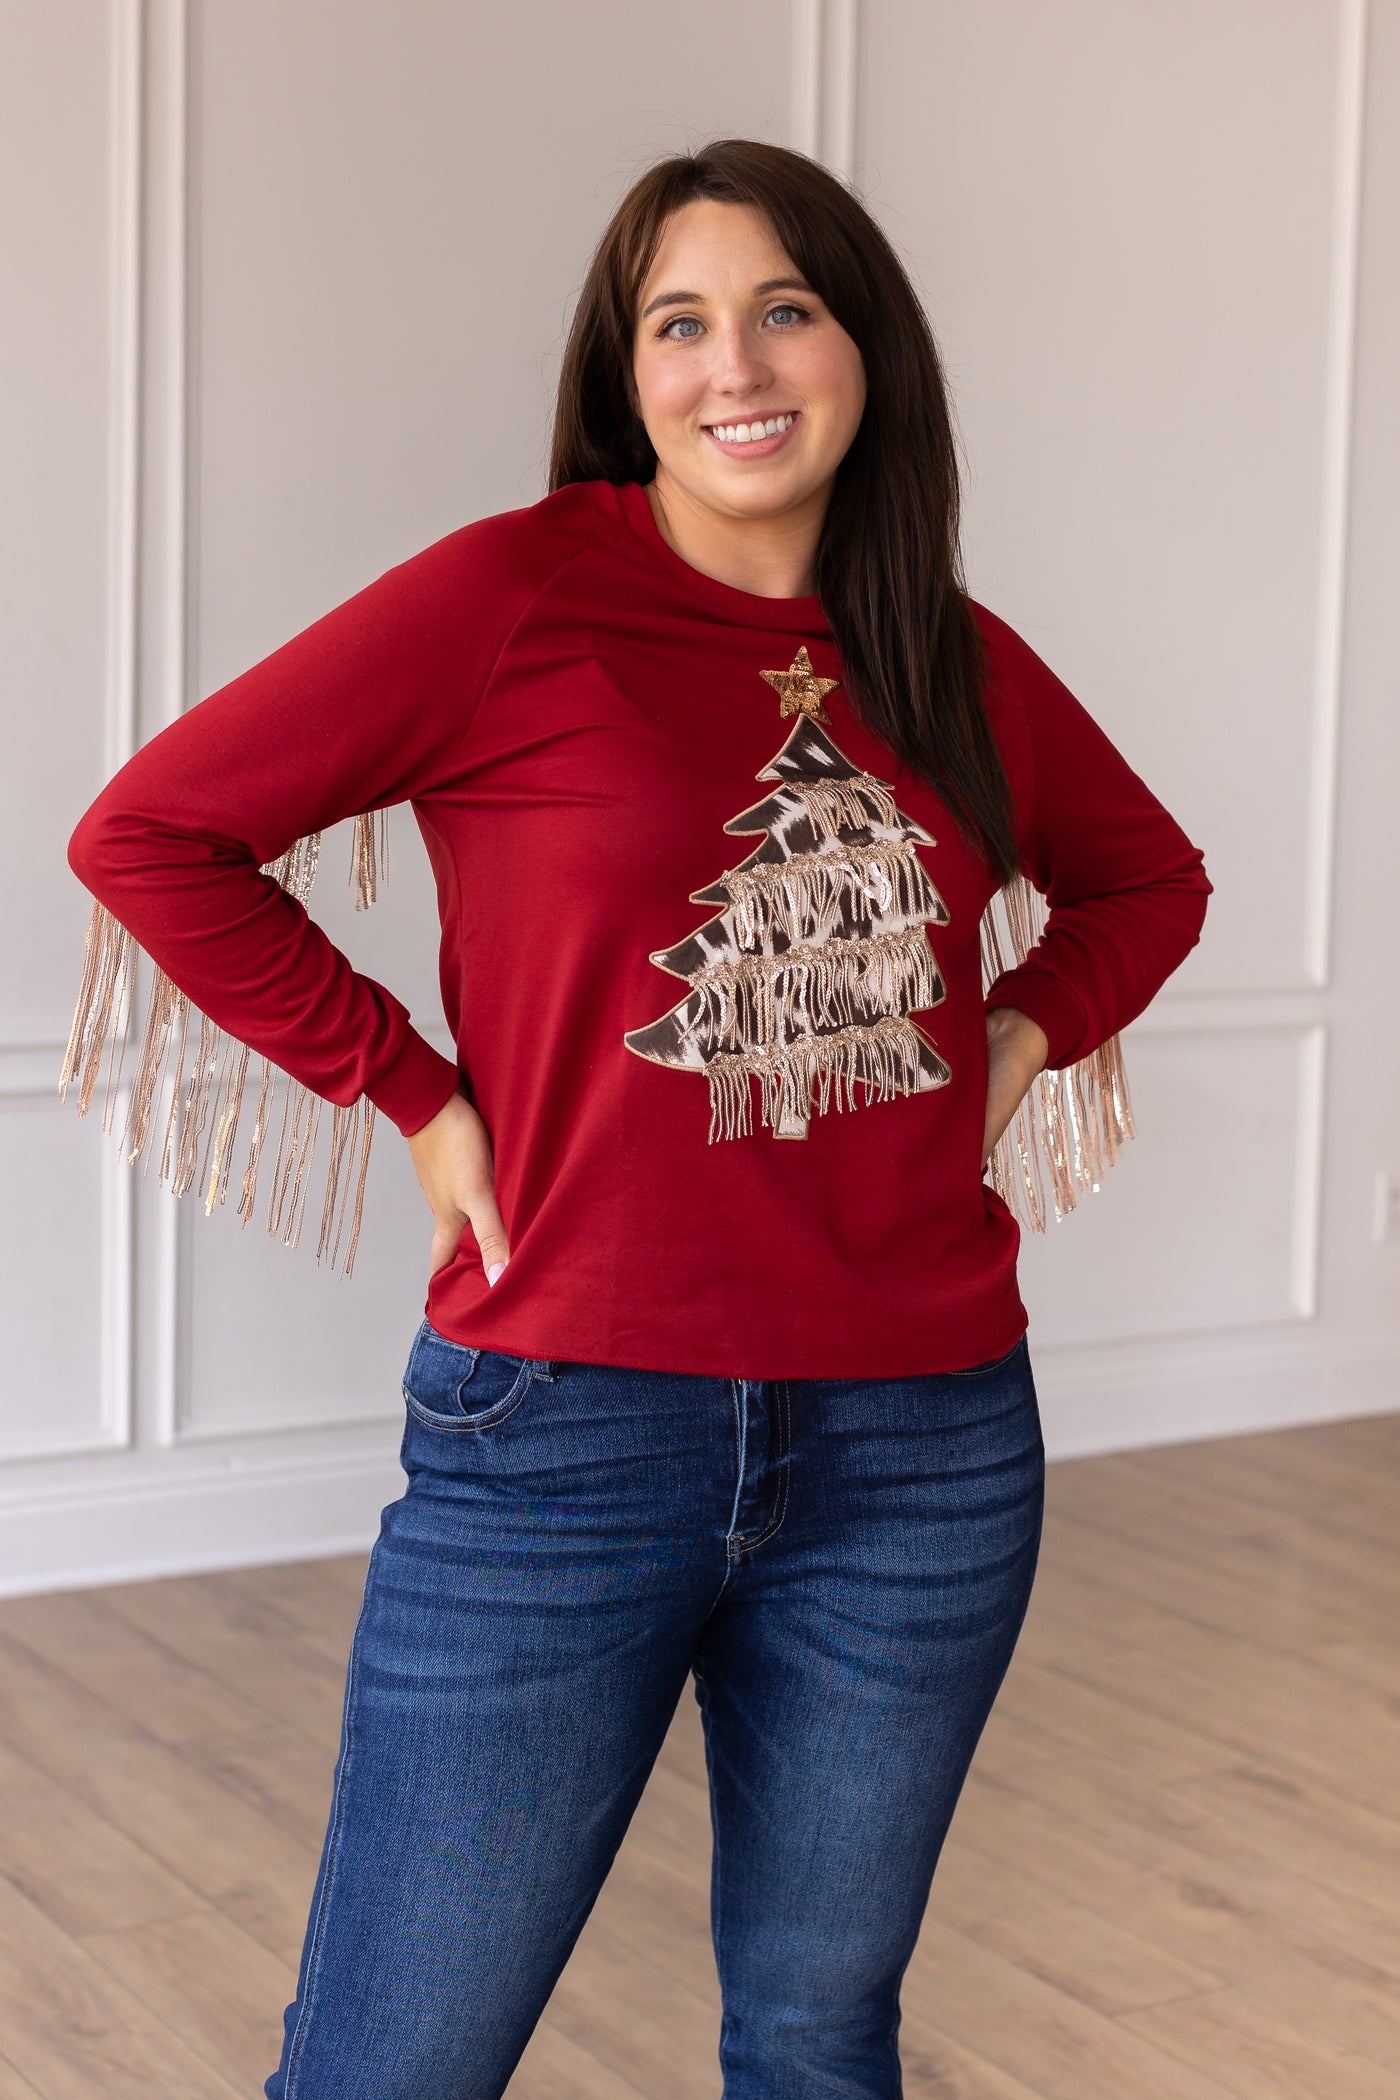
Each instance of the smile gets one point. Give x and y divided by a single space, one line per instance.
757 437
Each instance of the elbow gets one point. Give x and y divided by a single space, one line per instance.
88 850
103 845
1187 897
1189 890
1200 892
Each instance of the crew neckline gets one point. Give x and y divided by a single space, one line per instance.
801 615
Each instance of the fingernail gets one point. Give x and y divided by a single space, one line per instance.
494 1271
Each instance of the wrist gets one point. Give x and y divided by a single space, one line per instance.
429 1129
414 1087
1051 1001
1026 1038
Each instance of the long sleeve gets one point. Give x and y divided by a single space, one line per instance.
578 718
1125 887
363 709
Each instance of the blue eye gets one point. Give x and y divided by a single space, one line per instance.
664 332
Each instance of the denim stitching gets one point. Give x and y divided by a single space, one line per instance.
471 1351
740 1428
313 1966
485 1420
784 1466
716 1859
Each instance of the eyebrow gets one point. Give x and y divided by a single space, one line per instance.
769 284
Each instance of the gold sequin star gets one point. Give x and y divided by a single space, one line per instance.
799 688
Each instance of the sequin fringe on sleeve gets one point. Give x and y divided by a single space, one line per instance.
208 1086
1071 1124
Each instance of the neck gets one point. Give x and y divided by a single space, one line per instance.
773 556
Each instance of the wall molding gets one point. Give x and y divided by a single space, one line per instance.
1201 1016
257 1508
125 266
1103 1397
245 1515
29 1069
825 61
126 339
122 391
1311 1037
161 1488
1337 440
178 453
114 1425
1308 1178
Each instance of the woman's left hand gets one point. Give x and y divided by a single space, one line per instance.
1017 1048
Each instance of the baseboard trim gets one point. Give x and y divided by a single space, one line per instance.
307 1510
1121 1397
255 1508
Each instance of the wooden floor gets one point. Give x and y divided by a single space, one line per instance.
1174 1873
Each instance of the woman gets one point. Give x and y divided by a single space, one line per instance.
732 1380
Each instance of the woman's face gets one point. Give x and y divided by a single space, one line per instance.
727 333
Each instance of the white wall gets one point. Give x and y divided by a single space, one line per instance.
292 285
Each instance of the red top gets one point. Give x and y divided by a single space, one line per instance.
576 715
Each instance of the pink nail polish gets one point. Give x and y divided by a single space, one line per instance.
494 1271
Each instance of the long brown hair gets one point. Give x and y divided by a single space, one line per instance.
888 566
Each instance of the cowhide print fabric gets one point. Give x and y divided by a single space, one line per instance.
805 977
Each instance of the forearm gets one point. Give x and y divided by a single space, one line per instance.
1017 1048
248 955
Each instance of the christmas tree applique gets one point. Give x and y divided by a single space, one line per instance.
806 977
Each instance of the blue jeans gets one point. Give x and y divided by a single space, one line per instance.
843 1566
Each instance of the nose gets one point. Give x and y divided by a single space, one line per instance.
740 363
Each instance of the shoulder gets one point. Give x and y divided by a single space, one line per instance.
458 600
1011 661
1019 680
513 553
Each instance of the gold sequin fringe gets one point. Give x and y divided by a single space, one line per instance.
820 892
207 1092
884 1055
370 857
837 806
1071 1124
816 984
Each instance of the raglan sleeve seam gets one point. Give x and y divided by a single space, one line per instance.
574 554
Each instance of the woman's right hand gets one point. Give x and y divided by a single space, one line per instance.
452 1159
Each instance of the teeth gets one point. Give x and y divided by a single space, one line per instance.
746 433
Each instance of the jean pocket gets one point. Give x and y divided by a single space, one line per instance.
995 1363
454 1386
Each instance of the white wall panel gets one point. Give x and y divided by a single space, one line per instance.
1207 1223
1156 238
67 262
270 1341
65 1269
1123 218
